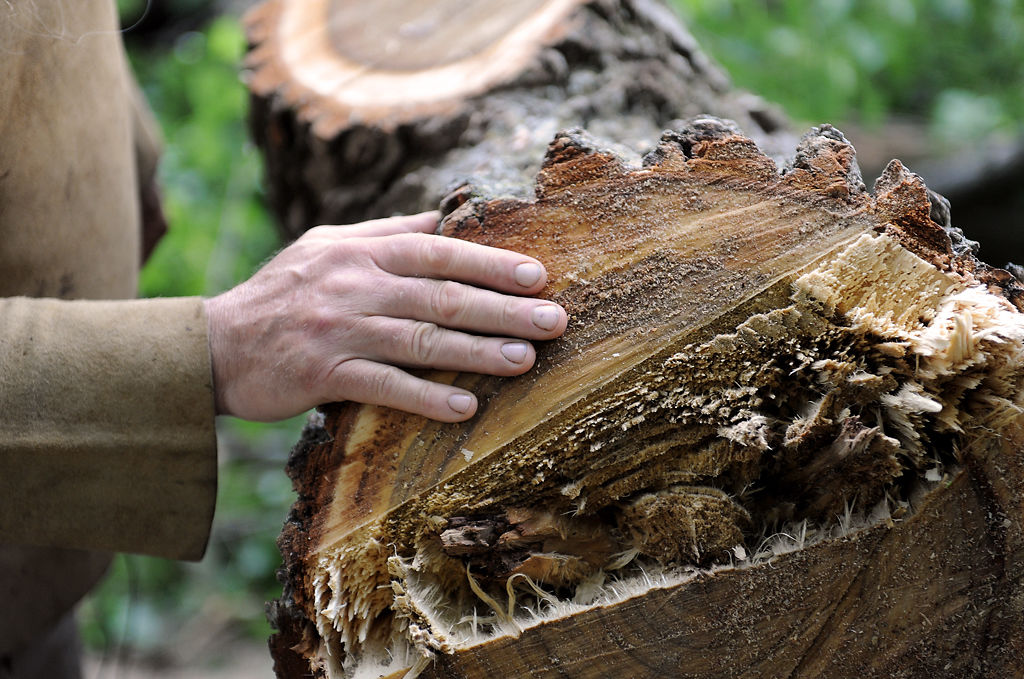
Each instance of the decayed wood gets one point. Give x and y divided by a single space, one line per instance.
365 110
781 437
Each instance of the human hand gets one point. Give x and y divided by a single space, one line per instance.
338 313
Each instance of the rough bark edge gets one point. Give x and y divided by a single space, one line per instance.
313 457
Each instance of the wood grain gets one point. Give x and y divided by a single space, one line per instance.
732 325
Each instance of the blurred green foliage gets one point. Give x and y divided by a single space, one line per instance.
210 172
148 605
958 65
955 64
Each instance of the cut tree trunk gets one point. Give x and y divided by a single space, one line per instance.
366 110
780 437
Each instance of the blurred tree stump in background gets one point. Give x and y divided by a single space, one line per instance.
781 437
365 110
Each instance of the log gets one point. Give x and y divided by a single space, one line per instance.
780 437
366 110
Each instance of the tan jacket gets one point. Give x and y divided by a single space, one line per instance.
106 408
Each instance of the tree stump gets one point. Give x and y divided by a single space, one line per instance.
366 110
780 437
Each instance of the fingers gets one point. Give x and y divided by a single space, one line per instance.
463 307
450 258
334 315
425 222
385 385
426 345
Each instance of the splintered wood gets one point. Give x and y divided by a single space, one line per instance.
781 437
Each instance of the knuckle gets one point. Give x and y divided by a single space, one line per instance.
484 356
447 301
317 232
423 396
423 343
325 242
510 313
334 378
347 251
343 282
435 252
383 384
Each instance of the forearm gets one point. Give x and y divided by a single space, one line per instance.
106 425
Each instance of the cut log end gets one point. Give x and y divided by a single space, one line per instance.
365 110
387 63
775 387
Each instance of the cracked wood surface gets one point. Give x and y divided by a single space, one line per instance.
781 436
929 596
733 326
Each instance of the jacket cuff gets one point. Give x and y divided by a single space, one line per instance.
107 437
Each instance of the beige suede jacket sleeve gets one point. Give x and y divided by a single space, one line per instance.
106 407
106 433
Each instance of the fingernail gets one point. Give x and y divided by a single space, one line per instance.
514 351
527 274
460 403
546 317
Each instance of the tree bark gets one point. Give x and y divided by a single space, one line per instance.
390 124
780 437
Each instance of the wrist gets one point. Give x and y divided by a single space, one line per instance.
215 308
